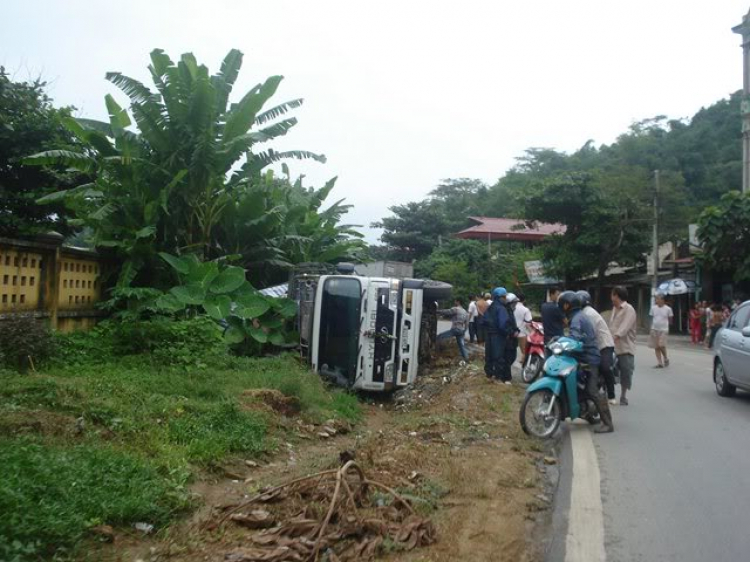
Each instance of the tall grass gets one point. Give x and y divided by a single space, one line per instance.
134 432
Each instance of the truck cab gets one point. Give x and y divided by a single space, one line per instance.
367 333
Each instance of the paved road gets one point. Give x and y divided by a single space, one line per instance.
675 476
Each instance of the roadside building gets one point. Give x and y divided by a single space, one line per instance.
508 234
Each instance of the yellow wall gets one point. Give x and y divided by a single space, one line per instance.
20 285
79 286
61 283
72 324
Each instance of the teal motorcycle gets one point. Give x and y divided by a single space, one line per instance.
560 393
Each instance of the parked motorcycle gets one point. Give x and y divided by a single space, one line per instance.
534 355
560 393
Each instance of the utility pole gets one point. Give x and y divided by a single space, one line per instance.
744 30
655 282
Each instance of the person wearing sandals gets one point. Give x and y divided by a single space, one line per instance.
622 324
661 317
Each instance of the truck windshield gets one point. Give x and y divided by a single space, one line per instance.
339 329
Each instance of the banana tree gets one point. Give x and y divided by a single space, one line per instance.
166 186
276 224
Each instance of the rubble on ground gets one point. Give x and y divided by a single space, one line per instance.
336 515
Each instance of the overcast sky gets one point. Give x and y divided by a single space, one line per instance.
401 94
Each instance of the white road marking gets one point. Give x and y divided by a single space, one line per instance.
585 539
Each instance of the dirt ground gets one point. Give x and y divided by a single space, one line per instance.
452 445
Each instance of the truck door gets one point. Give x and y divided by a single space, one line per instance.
336 334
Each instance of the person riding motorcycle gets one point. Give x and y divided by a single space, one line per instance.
582 330
605 341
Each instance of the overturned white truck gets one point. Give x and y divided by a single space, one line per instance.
366 333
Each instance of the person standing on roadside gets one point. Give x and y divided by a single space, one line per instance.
726 311
622 324
496 320
459 320
605 342
553 319
483 303
695 324
661 317
511 349
707 315
717 319
523 317
473 314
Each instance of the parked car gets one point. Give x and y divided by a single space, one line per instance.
732 353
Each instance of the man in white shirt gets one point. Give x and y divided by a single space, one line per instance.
523 317
661 318
473 314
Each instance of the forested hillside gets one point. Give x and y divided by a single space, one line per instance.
603 193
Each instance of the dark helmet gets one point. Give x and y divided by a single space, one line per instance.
585 298
570 297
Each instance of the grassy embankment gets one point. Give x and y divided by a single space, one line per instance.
106 435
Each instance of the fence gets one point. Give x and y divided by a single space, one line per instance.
49 280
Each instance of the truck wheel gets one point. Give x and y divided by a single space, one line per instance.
436 290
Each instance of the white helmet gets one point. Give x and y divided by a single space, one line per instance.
510 298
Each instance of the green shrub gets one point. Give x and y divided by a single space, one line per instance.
346 405
89 347
50 496
24 341
171 342
189 343
210 432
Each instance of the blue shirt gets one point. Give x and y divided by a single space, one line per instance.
501 318
582 329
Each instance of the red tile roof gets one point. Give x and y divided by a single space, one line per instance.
509 229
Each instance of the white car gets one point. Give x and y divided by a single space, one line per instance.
732 353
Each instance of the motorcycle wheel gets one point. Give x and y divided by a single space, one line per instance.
531 369
535 419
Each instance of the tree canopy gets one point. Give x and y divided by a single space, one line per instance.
603 194
29 123
724 230
181 192
191 180
415 229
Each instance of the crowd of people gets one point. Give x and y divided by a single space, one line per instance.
500 320
705 320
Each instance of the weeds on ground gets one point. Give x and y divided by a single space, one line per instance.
50 496
196 414
137 430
